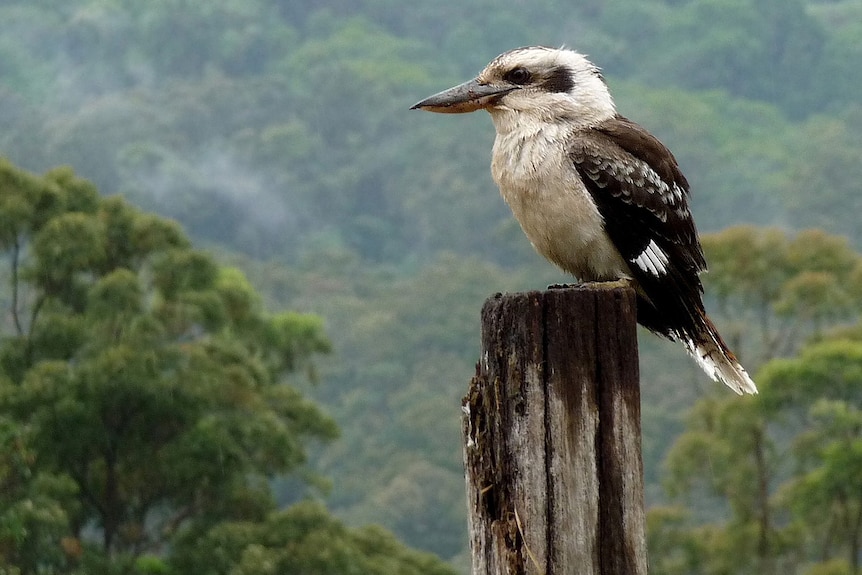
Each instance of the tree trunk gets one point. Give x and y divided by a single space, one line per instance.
552 435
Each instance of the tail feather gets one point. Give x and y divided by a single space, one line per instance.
712 354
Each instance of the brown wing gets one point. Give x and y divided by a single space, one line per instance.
643 197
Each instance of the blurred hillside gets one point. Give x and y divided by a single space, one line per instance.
278 133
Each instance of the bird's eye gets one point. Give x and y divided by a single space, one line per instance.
518 76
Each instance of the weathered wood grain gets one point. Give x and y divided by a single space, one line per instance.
552 435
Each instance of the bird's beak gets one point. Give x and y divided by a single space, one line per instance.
467 97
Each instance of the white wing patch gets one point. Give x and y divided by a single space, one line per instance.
652 260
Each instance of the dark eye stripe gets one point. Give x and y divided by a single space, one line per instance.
560 80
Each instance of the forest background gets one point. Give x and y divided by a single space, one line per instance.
277 133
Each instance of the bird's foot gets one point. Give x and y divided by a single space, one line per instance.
607 284
611 284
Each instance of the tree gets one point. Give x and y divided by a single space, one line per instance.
788 287
755 49
817 395
744 466
400 463
724 467
829 146
279 129
140 372
34 521
303 539
775 479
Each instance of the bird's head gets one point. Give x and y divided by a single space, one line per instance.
546 84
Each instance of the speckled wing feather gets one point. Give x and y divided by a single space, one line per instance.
642 196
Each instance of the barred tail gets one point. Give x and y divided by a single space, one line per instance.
712 354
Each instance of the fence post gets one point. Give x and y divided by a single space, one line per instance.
552 439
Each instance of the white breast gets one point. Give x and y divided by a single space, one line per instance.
540 184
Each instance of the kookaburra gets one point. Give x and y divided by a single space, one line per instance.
595 193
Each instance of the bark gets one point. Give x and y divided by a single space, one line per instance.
552 435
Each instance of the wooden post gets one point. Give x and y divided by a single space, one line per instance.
552 436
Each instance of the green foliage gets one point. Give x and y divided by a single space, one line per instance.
834 567
25 203
149 406
278 130
412 400
296 118
780 287
302 539
773 479
829 146
34 506
818 394
786 466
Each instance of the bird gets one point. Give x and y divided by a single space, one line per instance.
595 193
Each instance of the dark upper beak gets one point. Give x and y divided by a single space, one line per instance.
467 97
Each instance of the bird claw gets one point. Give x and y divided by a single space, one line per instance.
622 282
